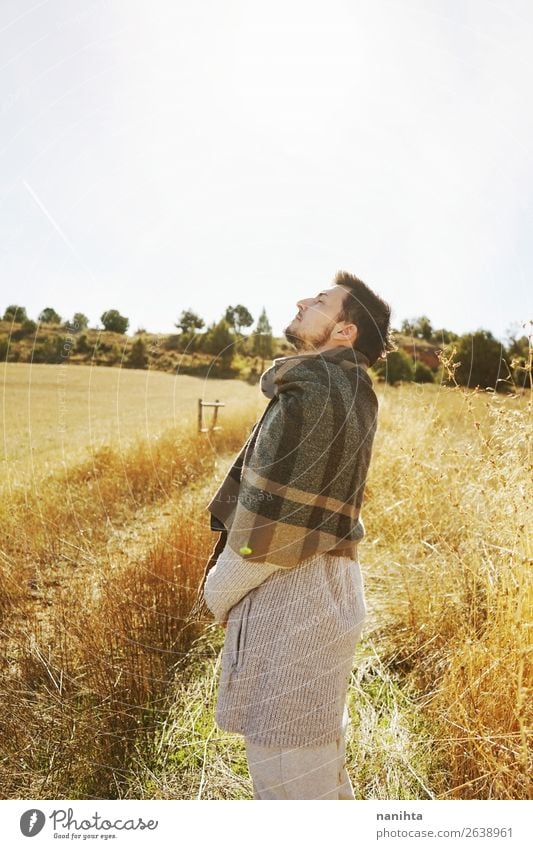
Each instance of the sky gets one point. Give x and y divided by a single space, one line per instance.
168 155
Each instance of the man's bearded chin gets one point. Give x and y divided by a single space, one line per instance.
305 344
293 339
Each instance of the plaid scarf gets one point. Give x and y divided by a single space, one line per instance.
296 487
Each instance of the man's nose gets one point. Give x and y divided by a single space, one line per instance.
303 302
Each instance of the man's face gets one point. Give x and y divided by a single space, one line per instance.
316 328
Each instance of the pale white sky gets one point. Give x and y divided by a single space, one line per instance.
161 155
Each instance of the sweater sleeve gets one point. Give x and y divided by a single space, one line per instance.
231 579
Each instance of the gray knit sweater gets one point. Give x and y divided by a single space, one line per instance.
289 647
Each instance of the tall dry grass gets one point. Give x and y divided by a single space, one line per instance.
449 558
91 627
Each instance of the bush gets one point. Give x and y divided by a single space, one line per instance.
27 328
172 342
138 356
50 351
423 373
397 366
479 357
115 354
82 344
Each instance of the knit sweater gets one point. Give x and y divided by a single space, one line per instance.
289 646
291 632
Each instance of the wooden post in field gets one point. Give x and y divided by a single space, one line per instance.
201 404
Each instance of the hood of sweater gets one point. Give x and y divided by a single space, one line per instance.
339 354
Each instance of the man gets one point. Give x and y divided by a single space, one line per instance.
284 576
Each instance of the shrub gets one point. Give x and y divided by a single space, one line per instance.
172 342
479 360
82 344
397 366
423 373
27 328
115 354
138 356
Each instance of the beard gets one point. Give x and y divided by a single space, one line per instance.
305 341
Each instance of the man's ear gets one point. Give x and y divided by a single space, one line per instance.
350 332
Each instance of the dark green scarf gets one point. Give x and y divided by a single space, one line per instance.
296 487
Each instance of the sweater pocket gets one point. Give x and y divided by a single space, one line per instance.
239 639
359 588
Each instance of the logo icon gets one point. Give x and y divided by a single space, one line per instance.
32 822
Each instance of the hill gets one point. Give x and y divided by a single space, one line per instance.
53 343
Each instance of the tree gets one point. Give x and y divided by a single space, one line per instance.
138 356
407 328
238 317
479 356
220 342
79 322
444 336
420 327
114 321
423 328
189 321
397 366
15 313
263 342
49 316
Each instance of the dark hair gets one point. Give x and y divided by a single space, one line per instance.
369 313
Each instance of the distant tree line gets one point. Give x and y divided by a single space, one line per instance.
474 359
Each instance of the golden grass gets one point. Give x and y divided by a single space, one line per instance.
93 615
54 414
99 562
448 562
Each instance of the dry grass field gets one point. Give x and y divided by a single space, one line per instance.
107 694
53 414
